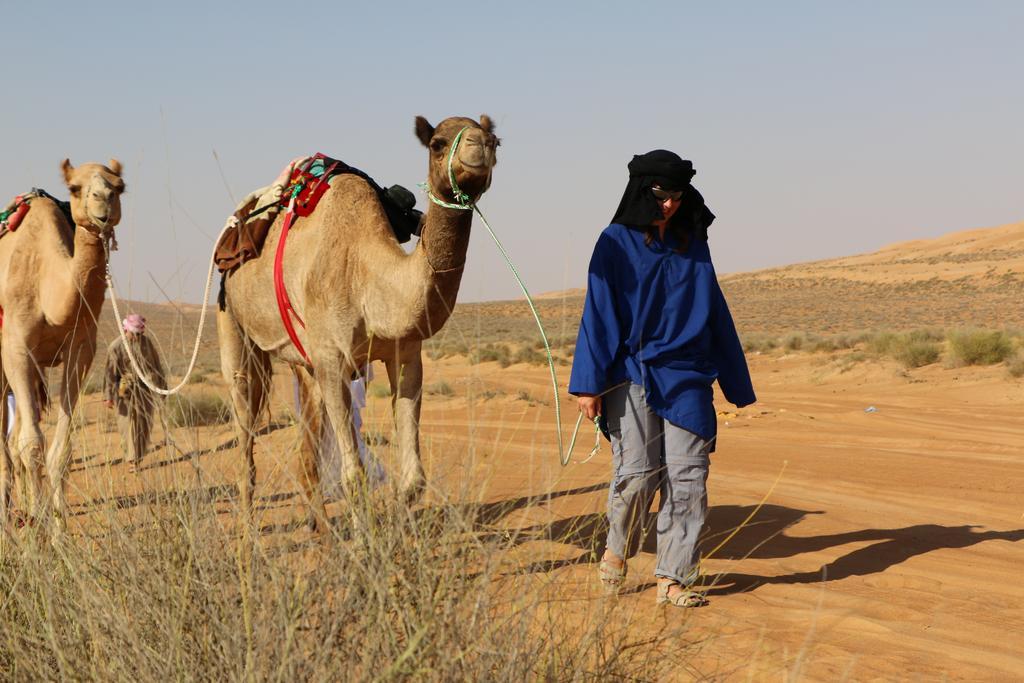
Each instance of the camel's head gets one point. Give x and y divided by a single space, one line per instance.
474 157
95 195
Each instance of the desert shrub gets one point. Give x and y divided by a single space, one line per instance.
979 347
759 344
844 341
1015 366
529 355
883 343
824 345
439 388
926 335
498 353
793 342
197 410
914 354
380 389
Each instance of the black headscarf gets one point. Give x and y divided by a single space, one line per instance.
639 208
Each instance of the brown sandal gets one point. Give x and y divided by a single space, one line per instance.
683 598
611 576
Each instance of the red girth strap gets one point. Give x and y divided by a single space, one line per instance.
284 304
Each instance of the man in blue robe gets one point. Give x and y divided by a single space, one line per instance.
656 333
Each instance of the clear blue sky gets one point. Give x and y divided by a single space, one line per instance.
818 129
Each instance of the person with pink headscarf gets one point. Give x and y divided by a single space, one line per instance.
122 388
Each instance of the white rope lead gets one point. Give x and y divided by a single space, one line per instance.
231 222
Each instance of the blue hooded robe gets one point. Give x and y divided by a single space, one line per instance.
658 318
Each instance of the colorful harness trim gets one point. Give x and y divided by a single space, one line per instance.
11 217
307 185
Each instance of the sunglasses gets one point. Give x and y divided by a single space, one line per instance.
661 195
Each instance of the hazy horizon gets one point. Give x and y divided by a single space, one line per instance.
817 130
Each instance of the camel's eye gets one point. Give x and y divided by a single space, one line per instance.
438 144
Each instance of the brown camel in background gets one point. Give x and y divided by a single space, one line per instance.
362 298
52 282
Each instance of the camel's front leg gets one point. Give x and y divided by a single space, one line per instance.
333 374
405 372
27 438
75 368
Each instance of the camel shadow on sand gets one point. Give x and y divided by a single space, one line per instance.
766 536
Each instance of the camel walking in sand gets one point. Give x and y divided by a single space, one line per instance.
362 298
52 283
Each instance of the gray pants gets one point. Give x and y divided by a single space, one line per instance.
650 454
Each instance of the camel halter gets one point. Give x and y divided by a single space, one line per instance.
108 237
465 203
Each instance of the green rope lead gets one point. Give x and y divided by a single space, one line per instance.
465 203
563 454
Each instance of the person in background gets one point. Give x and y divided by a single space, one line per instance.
10 413
656 333
122 388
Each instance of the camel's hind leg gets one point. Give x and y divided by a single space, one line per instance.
247 371
405 372
311 423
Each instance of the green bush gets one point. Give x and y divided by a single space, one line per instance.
794 342
884 343
1015 366
440 388
380 389
529 355
980 347
197 410
824 345
914 354
498 353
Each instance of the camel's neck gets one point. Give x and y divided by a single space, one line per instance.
85 272
445 238
442 254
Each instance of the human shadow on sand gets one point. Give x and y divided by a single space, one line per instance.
765 536
183 456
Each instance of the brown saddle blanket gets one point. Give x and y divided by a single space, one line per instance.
244 239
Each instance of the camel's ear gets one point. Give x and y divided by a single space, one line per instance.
486 123
115 167
424 131
67 169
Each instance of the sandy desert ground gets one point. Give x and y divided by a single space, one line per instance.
890 542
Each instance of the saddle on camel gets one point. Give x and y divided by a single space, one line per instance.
306 179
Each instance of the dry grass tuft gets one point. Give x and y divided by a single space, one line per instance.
392 593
